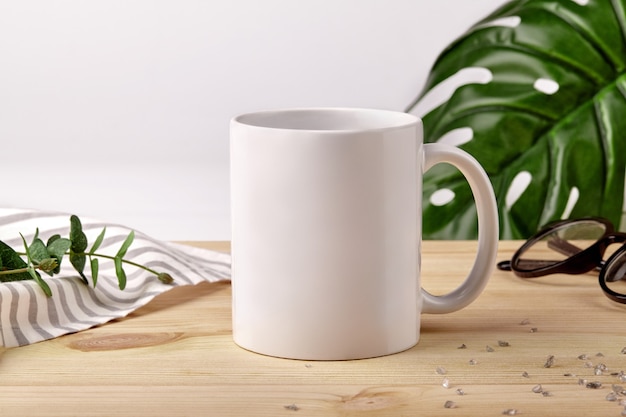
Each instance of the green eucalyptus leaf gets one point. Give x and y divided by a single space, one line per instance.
77 236
119 271
127 242
10 259
548 122
95 267
43 284
78 245
57 248
37 251
31 270
98 241
52 238
78 261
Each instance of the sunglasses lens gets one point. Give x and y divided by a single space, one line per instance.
615 273
559 243
616 269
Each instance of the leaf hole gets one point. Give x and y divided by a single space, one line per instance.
519 184
443 91
572 199
442 197
508 21
546 86
457 137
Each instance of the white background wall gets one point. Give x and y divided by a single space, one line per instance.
119 109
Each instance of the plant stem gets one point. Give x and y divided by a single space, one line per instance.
97 255
145 268
14 271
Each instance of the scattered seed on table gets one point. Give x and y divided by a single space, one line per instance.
593 385
611 396
549 362
502 343
583 357
460 391
445 383
537 389
441 370
510 412
464 346
292 407
525 374
534 330
449 404
600 355
618 389
526 321
582 381
546 394
623 352
489 348
473 362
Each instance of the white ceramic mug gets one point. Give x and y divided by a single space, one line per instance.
326 231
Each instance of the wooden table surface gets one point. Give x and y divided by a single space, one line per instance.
175 357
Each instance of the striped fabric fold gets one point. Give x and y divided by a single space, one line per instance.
28 316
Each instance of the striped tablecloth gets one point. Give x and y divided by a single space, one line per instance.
27 315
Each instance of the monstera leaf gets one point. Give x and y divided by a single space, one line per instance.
536 92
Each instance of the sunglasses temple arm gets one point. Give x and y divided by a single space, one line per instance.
563 247
558 245
526 264
504 266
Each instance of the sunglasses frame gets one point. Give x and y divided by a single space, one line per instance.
578 261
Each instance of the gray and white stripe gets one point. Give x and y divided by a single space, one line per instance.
28 316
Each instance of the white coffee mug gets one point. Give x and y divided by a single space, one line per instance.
326 230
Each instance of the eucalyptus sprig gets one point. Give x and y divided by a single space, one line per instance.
47 258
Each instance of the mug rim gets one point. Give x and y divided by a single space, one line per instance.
299 119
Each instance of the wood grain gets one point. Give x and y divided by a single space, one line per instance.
175 357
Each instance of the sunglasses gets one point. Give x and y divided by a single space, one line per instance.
574 247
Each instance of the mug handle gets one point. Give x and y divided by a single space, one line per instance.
488 231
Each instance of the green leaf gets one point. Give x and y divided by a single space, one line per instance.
57 248
31 270
126 245
77 236
52 238
98 241
93 262
568 144
119 271
78 261
43 284
9 259
37 251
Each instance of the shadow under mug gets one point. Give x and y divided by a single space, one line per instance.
326 229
